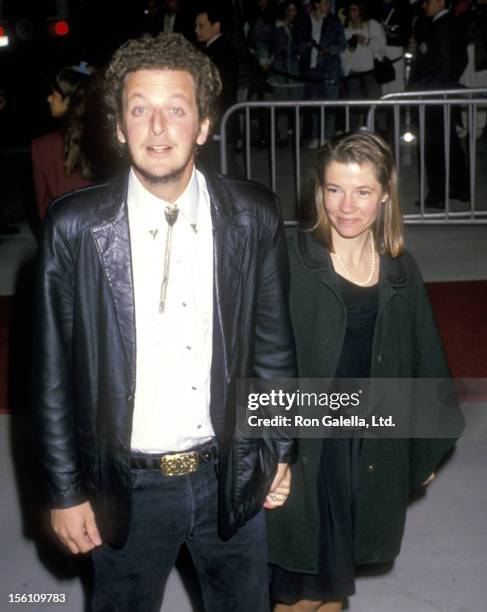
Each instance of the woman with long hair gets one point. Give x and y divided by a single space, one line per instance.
66 159
359 310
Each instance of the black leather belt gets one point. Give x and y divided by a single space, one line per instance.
175 464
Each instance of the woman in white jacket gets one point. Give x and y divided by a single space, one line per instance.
366 41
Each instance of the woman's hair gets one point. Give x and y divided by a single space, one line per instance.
361 148
67 81
163 52
81 122
282 8
361 9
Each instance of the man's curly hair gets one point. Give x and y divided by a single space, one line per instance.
167 51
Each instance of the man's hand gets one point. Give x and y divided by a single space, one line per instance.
280 487
76 527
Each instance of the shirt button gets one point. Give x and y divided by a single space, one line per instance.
184 304
188 347
194 388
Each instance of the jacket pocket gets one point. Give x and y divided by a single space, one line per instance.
255 466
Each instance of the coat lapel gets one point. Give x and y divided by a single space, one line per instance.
230 240
112 240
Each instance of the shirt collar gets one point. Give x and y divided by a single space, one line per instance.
440 15
151 208
212 40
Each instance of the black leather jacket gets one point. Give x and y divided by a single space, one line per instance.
84 378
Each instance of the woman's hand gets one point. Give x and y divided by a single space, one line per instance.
280 488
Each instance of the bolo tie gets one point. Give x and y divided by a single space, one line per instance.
171 213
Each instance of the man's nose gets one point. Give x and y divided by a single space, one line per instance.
158 123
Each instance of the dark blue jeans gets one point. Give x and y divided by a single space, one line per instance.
322 87
167 512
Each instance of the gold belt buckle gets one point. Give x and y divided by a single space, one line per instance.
179 463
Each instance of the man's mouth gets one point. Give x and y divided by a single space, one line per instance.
159 148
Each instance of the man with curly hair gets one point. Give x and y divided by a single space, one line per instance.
157 292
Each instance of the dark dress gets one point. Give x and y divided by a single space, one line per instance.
337 485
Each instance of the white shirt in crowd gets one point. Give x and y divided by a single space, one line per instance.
169 21
316 25
174 349
362 58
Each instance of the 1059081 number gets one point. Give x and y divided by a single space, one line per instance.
37 598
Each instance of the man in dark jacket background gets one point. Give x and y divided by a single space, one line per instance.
320 39
216 45
156 292
440 60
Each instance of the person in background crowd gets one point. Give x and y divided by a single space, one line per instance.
259 40
284 66
177 17
359 310
215 44
235 25
396 18
152 18
320 40
218 48
439 61
366 41
66 159
143 282
475 74
261 32
166 16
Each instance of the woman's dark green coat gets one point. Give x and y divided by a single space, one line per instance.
406 345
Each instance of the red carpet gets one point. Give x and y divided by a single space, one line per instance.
461 312
460 309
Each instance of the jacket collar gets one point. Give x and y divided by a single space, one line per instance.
113 205
314 257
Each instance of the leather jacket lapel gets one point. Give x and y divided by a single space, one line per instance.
112 239
229 246
229 255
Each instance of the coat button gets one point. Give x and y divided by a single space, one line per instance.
380 358
371 467
128 397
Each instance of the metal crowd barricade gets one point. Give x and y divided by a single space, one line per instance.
407 102
470 99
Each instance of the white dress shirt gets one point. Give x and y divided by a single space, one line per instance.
174 349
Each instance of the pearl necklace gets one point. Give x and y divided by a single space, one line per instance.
372 272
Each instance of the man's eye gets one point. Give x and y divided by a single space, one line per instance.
138 110
363 193
177 111
332 190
